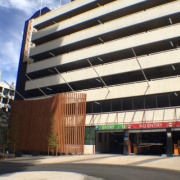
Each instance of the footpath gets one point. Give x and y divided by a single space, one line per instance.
162 162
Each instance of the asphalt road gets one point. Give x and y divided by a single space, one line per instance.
108 172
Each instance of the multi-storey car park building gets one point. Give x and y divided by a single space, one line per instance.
124 55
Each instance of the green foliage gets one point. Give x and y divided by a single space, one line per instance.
4 118
53 141
3 135
53 138
4 123
14 133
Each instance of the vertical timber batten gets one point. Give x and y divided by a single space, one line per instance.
68 112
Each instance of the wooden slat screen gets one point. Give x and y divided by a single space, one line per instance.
32 118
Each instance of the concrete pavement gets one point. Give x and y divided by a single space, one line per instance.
45 175
162 162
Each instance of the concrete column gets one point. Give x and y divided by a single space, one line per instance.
169 143
126 142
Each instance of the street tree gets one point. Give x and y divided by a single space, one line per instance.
14 133
4 124
53 137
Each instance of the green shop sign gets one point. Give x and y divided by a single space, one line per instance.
111 127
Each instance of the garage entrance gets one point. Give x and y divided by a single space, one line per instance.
149 143
142 142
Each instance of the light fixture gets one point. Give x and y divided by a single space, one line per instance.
51 54
49 89
97 103
98 80
99 21
170 20
175 94
50 71
100 59
171 43
173 67
101 40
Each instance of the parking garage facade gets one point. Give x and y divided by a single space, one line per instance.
124 55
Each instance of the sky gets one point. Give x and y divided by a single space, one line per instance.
13 14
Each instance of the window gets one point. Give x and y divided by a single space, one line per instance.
127 104
89 135
174 98
163 100
96 107
150 101
138 103
12 93
116 105
106 106
89 107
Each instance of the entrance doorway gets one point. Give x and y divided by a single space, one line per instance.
109 142
116 143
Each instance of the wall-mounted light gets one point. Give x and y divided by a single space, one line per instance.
101 40
99 21
51 54
100 59
170 21
171 43
97 103
49 89
175 94
173 67
98 80
50 71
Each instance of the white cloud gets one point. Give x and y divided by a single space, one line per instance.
23 5
10 43
30 6
10 47
10 53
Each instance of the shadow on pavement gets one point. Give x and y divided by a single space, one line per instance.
9 167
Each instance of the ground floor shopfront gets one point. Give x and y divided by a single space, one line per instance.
147 138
